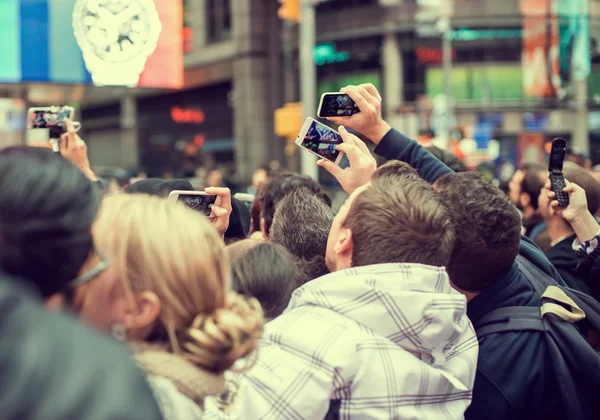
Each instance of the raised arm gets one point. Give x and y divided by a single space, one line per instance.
390 143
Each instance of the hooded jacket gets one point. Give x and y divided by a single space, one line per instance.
382 341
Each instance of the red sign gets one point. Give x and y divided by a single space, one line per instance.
540 60
164 68
431 55
187 116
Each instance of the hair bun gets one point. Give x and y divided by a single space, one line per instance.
216 341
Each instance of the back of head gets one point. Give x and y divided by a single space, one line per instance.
158 187
399 219
268 272
284 184
301 224
488 230
174 252
47 207
586 181
533 181
396 168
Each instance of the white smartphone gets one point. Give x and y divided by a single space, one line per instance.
247 199
320 140
336 104
49 116
197 200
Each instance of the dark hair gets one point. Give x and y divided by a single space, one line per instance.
284 184
158 187
488 230
399 219
532 181
301 224
268 272
589 184
47 207
448 158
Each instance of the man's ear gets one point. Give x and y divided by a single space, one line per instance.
525 200
264 229
345 242
140 317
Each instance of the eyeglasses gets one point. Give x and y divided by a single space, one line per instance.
94 272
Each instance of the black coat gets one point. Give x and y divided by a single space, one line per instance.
566 260
54 368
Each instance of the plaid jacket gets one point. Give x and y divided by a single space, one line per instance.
389 341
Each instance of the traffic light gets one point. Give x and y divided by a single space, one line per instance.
289 10
288 120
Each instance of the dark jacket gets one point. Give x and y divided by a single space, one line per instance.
589 267
514 377
565 259
54 368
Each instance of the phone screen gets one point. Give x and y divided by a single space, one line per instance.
557 157
202 203
338 105
47 118
322 140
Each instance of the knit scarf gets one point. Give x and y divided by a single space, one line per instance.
192 381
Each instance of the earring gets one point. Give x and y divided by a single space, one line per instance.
118 331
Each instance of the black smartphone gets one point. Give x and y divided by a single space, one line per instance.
557 179
336 104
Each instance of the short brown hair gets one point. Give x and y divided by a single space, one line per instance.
396 168
589 184
400 219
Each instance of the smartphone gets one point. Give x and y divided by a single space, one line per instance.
320 140
336 104
247 199
557 179
197 200
52 118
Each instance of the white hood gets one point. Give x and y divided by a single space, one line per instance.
412 305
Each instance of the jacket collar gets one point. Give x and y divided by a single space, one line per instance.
495 295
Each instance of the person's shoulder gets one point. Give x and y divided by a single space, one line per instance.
50 350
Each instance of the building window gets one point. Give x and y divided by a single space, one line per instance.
218 15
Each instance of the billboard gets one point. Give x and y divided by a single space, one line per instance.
126 42
540 59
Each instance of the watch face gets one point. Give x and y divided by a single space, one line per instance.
115 30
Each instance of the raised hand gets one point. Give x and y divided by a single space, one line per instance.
362 163
221 210
368 121
74 149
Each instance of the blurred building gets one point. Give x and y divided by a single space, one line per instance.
514 65
240 64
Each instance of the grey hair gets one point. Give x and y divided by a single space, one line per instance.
301 224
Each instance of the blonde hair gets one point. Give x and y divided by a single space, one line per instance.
174 252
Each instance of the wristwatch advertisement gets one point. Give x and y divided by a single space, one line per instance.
116 38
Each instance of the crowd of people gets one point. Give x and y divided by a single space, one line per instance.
430 294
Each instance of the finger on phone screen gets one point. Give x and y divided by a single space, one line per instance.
346 136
